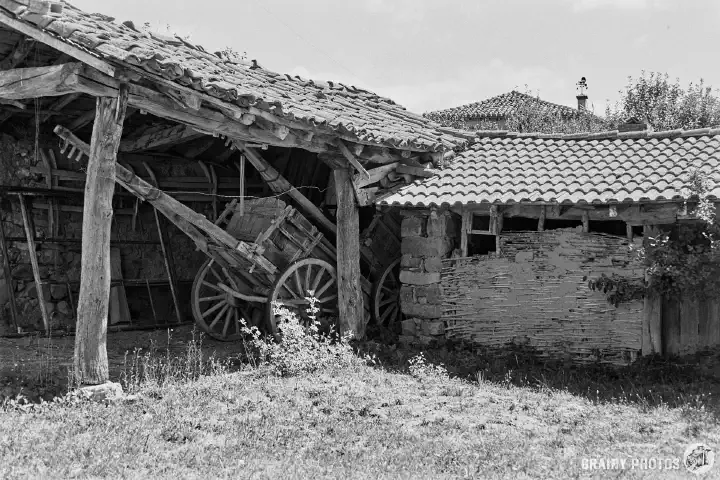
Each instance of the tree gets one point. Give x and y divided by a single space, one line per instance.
666 105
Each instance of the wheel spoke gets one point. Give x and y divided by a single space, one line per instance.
213 309
210 285
296 301
308 274
393 315
387 289
327 299
219 316
324 287
386 314
214 297
388 301
231 279
298 283
290 291
228 317
317 280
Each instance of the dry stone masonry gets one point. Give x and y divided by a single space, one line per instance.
427 238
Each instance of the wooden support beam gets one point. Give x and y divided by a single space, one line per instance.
159 138
350 296
541 219
8 276
279 184
466 228
19 53
498 230
56 43
652 315
58 105
353 161
585 222
375 175
629 232
53 81
30 236
91 362
82 120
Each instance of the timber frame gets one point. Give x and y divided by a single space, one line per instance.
81 87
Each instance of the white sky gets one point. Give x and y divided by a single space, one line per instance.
432 54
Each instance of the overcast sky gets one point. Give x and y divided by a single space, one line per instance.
433 54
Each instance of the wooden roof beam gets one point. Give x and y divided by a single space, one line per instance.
158 138
19 53
58 105
54 42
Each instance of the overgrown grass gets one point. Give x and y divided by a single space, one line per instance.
313 406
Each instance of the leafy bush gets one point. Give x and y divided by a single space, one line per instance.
300 349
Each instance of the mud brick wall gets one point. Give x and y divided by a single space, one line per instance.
535 294
427 238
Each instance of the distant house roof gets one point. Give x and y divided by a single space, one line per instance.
329 106
497 107
604 167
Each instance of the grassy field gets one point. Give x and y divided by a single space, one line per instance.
389 413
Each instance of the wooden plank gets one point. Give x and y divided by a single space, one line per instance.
30 236
119 310
652 325
158 138
689 326
350 298
671 327
8 275
353 161
91 362
57 44
279 184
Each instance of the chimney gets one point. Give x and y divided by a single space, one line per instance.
581 97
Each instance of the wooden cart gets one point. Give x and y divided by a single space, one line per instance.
266 253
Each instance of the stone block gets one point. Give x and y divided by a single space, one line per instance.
408 261
407 293
426 247
58 292
64 308
412 227
433 264
421 311
409 327
417 278
431 293
102 392
433 327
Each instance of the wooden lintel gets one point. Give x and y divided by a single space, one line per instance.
351 158
158 138
57 44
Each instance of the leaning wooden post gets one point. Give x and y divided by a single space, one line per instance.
350 297
91 363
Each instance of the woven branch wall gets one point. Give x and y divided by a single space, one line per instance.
535 294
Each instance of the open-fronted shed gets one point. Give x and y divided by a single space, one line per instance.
109 90
499 246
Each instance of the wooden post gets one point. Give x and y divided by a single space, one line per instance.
585 221
541 219
8 275
30 235
629 232
91 362
652 317
498 230
350 297
467 218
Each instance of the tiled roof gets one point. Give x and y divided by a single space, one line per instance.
328 105
498 107
607 167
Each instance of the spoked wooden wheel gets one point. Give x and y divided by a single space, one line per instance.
386 296
304 280
217 312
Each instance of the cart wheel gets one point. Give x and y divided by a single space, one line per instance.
217 312
386 296
305 279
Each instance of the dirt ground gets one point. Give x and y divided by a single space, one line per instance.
38 367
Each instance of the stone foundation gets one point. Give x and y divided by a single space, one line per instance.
427 238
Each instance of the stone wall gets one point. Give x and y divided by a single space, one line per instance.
427 238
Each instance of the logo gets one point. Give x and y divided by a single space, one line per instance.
699 458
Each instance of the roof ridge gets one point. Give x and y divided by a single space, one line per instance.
610 134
